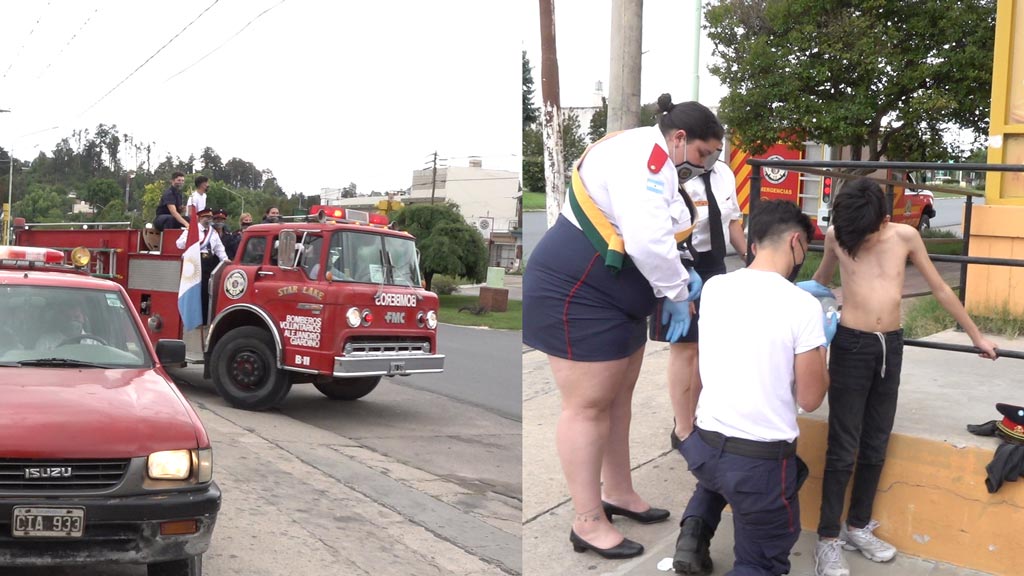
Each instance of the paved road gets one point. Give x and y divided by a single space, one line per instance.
949 211
482 367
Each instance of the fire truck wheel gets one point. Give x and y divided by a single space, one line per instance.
245 369
925 222
347 388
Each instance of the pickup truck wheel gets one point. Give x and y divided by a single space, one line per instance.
192 566
347 388
245 369
925 223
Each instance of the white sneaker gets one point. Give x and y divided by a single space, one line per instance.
864 539
828 559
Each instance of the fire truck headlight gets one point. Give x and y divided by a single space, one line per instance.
367 317
353 317
421 319
431 319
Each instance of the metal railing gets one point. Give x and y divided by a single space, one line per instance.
963 259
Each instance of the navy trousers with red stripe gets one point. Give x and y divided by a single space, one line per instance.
763 496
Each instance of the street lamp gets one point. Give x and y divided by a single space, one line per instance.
240 197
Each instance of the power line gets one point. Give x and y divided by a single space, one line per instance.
257 17
22 47
168 43
68 43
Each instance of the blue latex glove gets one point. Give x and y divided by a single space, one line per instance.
675 315
831 325
695 285
817 289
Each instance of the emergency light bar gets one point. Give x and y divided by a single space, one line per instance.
33 255
324 213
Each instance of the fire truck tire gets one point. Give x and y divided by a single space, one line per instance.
347 388
925 223
245 369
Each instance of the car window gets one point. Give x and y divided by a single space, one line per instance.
93 326
254 250
310 261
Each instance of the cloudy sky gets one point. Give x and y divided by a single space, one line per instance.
583 34
322 92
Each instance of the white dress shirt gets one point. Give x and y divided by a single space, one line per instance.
723 185
209 241
644 207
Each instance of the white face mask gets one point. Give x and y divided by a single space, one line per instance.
688 171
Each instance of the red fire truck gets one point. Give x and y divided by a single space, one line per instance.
335 300
814 192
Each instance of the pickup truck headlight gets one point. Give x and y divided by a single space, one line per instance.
170 465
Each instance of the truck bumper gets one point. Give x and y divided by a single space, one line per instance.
387 365
123 529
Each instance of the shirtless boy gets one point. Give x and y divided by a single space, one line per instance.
865 362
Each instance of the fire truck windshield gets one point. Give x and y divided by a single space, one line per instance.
66 326
373 259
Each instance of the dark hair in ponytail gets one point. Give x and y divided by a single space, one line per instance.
693 117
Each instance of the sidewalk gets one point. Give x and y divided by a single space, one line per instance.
941 392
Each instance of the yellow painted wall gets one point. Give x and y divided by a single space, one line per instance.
996 232
932 502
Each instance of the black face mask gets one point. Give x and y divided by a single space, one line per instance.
796 267
246 224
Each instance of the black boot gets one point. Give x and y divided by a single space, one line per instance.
693 554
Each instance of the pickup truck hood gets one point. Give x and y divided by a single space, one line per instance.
60 413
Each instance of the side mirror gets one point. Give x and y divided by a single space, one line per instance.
170 352
286 249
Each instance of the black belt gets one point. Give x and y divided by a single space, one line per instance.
206 254
778 450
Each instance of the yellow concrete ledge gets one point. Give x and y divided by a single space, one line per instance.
932 501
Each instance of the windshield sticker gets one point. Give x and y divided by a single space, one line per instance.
235 284
302 330
386 299
113 301
376 273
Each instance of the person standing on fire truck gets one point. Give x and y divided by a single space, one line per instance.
211 251
592 281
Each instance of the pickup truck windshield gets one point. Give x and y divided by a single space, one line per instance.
66 326
373 259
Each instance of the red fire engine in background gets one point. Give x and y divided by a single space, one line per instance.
336 300
814 192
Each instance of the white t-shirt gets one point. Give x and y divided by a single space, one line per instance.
723 184
644 207
195 199
752 324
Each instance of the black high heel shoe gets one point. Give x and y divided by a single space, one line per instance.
650 516
625 549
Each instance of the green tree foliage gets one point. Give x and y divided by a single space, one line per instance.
886 76
531 113
101 191
573 141
446 243
349 191
43 204
151 199
599 122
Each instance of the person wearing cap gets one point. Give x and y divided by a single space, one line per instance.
227 237
211 251
593 280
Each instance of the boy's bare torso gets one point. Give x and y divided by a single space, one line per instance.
873 283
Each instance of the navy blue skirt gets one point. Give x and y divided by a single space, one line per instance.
576 308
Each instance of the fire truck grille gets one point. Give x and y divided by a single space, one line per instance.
60 475
384 348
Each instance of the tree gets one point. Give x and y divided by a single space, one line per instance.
100 191
599 122
349 191
888 77
212 165
573 143
446 243
531 113
42 204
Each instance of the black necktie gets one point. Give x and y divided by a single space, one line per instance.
714 221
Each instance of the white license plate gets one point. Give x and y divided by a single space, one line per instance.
47 522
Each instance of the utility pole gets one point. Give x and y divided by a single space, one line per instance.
696 54
433 179
554 163
624 79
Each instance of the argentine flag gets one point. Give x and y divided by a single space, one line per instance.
190 303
